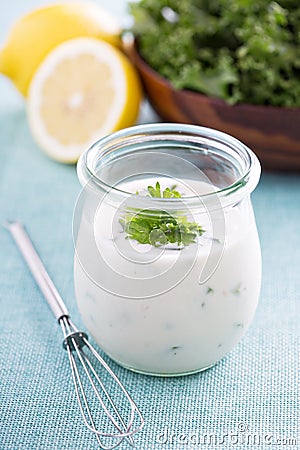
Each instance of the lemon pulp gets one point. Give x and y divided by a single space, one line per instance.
83 90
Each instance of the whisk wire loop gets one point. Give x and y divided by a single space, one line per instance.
124 434
77 385
134 408
74 342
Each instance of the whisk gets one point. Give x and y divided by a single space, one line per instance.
81 353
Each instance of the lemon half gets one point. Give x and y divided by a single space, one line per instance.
34 35
83 90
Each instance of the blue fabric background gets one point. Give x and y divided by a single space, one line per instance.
256 387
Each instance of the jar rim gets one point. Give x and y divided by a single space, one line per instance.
244 185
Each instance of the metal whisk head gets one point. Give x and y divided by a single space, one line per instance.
117 428
117 422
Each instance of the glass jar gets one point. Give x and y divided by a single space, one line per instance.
167 257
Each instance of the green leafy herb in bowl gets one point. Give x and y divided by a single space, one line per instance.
231 65
241 51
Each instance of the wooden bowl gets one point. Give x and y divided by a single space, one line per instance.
273 133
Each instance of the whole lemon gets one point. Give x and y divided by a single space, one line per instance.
37 33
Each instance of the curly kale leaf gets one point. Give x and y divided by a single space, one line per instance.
238 50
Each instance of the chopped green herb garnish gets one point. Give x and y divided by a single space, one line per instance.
209 290
167 193
157 227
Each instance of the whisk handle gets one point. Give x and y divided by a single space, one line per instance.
37 269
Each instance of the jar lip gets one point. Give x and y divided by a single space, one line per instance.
245 184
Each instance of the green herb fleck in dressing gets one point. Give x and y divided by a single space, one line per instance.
236 290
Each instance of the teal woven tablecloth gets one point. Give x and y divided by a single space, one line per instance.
249 400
